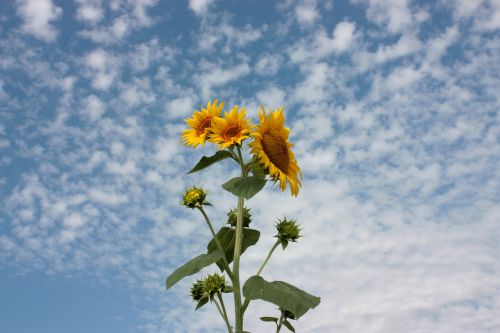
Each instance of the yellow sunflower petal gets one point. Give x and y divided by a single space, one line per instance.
270 144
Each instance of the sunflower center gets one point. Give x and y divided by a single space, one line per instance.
203 125
193 195
276 150
231 131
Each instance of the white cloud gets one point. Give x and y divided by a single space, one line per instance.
407 45
4 143
97 59
225 35
123 169
94 107
306 13
91 13
38 16
112 34
219 76
166 149
402 77
465 8
124 18
343 36
490 17
312 88
271 98
199 6
180 107
322 45
74 220
437 47
3 93
268 64
395 15
103 68
106 197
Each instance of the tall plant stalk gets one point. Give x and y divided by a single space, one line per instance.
237 253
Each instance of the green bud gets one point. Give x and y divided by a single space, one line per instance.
232 217
197 290
214 284
194 197
288 231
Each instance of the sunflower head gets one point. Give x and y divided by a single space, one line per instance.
232 129
200 123
272 148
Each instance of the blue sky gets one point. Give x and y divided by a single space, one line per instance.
393 107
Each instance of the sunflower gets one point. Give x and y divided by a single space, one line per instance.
272 148
232 129
200 124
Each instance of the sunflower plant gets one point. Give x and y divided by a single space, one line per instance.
271 160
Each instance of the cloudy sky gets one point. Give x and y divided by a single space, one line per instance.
393 107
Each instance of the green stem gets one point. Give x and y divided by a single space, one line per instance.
280 323
223 316
226 318
247 301
219 245
237 252
236 267
268 256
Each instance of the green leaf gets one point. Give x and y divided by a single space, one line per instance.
289 326
269 319
258 170
245 187
205 161
227 238
193 266
281 294
201 302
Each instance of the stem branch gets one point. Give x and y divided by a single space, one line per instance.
247 301
280 323
223 315
219 245
268 256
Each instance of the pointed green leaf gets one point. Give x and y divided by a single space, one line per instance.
193 266
281 294
227 238
269 319
201 302
289 326
245 187
205 161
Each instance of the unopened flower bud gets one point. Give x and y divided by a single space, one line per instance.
232 217
194 197
214 284
197 290
288 231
